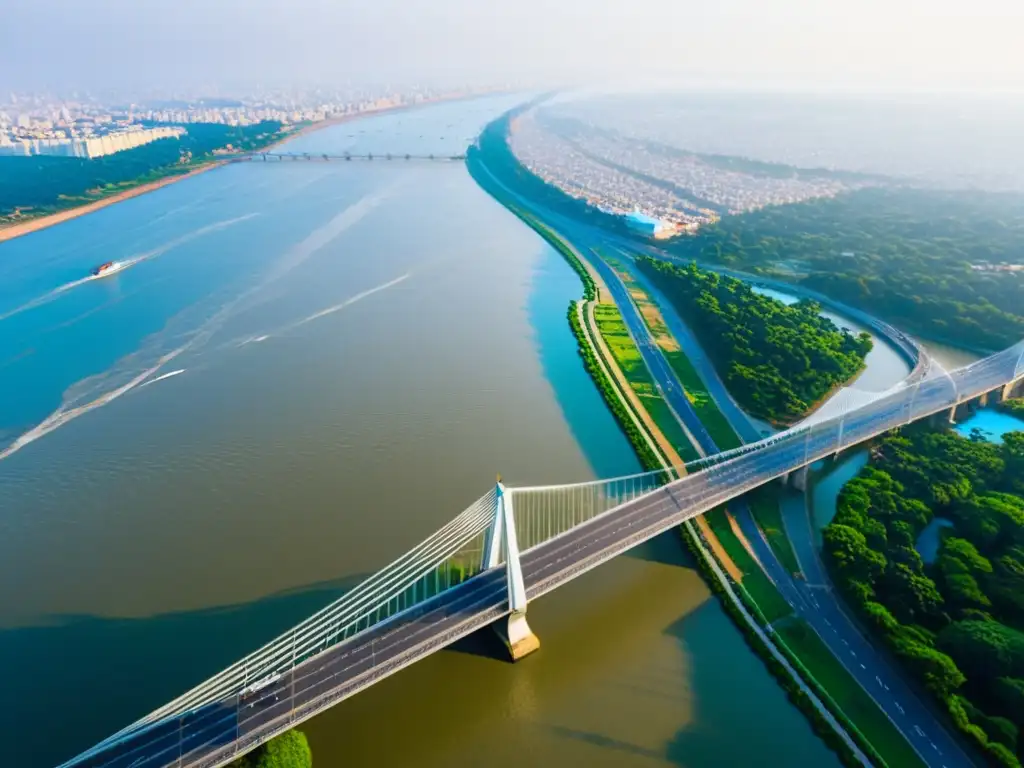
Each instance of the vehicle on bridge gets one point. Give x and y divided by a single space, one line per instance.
250 695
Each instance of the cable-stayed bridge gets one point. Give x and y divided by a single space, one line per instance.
510 546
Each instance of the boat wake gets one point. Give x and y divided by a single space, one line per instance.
328 311
189 331
167 375
60 290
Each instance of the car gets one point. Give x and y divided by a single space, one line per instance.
252 694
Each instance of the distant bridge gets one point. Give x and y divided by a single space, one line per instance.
485 565
321 157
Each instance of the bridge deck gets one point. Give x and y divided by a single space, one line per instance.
211 735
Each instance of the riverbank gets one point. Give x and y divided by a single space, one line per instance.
11 231
761 604
35 224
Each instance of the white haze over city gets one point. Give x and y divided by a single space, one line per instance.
235 45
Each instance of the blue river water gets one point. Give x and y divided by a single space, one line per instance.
305 369
992 423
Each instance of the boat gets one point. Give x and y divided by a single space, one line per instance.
107 268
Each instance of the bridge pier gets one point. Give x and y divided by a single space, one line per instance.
1010 390
799 478
502 540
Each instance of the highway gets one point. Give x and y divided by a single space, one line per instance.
819 607
210 735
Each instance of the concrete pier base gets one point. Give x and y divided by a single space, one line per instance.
517 635
799 480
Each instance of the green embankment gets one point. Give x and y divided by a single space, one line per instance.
847 694
770 604
799 699
707 410
613 330
757 592
765 506
648 459
848 702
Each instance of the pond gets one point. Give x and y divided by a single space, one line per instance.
992 423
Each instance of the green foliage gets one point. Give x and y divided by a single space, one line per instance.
799 699
777 360
1008 697
648 458
1013 406
902 254
627 357
45 184
957 625
289 750
985 649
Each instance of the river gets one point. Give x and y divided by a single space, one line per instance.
306 368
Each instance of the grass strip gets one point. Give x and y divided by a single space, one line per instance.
711 417
763 593
648 458
629 360
854 702
782 676
765 506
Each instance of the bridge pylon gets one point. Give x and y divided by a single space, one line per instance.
502 543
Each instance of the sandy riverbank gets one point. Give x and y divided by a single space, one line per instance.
11 231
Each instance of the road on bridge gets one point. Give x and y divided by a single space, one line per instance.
819 607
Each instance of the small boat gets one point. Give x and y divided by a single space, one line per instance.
107 268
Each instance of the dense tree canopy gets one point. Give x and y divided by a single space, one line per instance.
778 360
957 623
43 183
289 750
920 259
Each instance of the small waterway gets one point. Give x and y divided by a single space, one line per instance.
992 424
930 539
828 487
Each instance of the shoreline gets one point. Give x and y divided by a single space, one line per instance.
19 229
12 231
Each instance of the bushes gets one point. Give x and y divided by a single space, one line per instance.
289 750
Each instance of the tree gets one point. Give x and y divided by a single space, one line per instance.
938 671
289 750
1008 694
984 649
853 558
911 595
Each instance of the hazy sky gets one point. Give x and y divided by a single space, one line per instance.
235 44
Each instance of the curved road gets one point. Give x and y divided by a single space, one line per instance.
811 600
